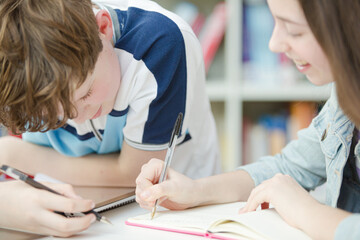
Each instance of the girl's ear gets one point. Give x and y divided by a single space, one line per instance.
104 23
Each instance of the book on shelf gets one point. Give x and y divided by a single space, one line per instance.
210 30
212 33
261 66
271 132
301 115
221 221
190 13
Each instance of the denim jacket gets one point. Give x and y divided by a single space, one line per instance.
317 156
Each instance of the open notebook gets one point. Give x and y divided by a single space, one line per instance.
107 198
222 222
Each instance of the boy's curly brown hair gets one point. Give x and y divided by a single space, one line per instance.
47 49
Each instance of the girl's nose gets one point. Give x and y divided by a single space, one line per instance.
278 43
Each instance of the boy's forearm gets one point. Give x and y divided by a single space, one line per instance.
227 187
90 170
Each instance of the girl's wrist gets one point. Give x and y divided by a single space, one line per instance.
203 193
307 209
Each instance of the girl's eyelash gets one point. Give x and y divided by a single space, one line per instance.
294 35
87 95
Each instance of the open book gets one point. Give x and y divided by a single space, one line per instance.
222 222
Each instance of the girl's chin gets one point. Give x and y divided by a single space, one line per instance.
318 81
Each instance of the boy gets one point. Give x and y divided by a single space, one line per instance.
87 81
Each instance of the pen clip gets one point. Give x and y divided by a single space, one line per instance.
14 173
4 168
177 127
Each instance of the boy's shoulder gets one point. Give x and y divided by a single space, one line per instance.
152 14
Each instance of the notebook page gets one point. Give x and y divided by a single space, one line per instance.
265 223
236 230
268 223
200 217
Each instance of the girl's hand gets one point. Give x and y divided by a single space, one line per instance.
176 192
290 200
26 208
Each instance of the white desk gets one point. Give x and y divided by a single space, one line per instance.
120 231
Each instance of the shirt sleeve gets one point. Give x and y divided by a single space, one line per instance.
160 81
349 228
36 138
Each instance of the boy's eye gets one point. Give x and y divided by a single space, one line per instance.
87 95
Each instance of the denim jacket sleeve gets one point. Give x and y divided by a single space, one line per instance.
302 159
349 228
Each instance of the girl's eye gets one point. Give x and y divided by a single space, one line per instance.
295 34
87 95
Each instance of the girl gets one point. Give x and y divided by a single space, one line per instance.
321 37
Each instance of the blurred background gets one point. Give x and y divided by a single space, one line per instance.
258 98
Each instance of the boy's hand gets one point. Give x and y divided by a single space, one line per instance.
176 192
30 209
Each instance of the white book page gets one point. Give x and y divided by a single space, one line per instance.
265 223
269 224
200 217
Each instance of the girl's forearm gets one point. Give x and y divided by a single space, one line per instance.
227 187
323 220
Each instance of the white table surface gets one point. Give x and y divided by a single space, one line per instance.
121 231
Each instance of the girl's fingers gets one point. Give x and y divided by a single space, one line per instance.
258 196
60 203
162 199
150 172
58 225
148 176
157 191
64 189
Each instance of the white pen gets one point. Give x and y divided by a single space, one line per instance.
169 153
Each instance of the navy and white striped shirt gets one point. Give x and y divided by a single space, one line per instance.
162 74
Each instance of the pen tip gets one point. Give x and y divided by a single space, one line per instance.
153 212
105 220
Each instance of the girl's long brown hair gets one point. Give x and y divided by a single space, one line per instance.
336 26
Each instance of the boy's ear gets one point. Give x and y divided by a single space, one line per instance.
104 23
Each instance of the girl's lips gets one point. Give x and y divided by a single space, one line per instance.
98 113
303 68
